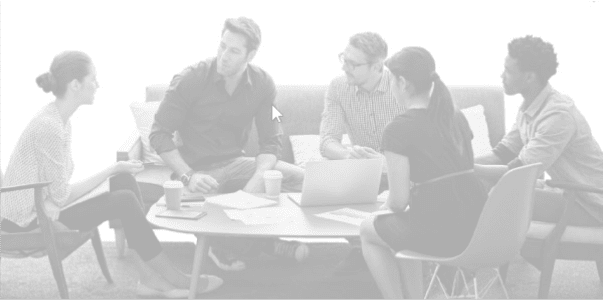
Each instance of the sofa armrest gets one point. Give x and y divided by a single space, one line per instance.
131 148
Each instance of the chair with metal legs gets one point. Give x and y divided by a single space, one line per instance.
498 236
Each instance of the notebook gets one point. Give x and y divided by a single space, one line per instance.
340 182
181 214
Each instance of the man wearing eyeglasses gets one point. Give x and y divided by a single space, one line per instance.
360 104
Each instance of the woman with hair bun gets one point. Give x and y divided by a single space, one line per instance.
430 146
43 153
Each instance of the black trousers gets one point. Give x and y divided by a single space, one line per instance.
122 204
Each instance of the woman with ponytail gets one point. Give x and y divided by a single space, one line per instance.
429 149
43 153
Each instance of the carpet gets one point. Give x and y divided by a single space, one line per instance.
266 277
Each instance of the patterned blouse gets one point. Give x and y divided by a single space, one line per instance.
43 153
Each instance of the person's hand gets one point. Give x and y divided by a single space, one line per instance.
51 210
129 166
202 183
359 152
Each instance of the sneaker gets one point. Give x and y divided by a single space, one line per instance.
353 263
294 250
224 262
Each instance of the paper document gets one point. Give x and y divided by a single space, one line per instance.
258 216
240 200
346 215
97 191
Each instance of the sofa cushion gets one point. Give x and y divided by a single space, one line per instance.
477 122
306 148
302 105
144 114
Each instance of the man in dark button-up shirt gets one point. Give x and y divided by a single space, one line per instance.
212 106
549 129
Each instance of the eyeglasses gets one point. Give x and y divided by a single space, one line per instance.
353 65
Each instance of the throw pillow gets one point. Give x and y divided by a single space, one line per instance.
477 121
307 148
144 115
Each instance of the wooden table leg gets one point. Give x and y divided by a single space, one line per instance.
200 255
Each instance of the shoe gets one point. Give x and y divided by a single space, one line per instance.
144 291
213 282
352 264
226 263
294 250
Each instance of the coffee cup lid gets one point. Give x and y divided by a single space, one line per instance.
173 184
273 174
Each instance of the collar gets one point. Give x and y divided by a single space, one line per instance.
245 77
535 106
382 86
53 110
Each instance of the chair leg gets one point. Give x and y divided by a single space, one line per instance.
100 254
600 270
503 270
120 242
502 281
433 277
546 276
475 287
57 270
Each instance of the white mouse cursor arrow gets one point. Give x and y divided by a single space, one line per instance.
276 114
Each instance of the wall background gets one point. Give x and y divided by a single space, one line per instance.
135 44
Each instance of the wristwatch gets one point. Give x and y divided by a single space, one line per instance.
186 177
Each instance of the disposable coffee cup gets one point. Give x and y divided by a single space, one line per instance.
272 182
173 194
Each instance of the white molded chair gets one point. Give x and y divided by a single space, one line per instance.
498 236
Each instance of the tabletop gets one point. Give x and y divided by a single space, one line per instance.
298 222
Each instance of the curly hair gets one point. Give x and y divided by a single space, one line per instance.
246 27
535 55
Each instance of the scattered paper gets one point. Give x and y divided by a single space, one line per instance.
258 216
240 200
95 192
346 215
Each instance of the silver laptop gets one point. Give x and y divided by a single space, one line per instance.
340 182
